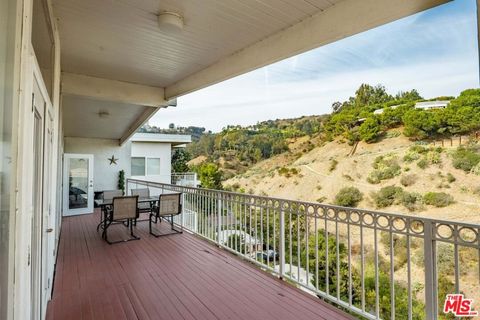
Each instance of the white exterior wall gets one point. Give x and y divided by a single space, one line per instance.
105 176
155 150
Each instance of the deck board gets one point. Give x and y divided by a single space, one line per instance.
174 277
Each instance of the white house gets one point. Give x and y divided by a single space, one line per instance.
431 105
380 111
145 156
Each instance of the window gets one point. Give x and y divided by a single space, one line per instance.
153 166
138 166
145 166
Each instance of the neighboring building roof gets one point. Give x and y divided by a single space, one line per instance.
432 104
380 111
174 139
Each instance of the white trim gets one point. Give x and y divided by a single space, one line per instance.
112 90
89 209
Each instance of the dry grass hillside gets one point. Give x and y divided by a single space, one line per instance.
318 174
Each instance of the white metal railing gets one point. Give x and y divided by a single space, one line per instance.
188 179
374 264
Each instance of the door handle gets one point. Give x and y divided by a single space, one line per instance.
49 230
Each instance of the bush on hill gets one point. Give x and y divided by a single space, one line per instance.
348 197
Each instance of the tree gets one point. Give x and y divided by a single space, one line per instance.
180 157
368 95
370 129
210 176
411 95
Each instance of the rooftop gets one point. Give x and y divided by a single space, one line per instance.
432 104
174 139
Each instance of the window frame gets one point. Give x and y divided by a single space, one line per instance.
147 159
144 166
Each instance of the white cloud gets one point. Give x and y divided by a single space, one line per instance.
434 52
246 100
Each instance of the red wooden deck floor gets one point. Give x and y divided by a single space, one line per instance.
174 277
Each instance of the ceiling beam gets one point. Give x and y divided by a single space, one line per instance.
342 20
140 121
112 90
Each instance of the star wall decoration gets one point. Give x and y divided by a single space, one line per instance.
113 160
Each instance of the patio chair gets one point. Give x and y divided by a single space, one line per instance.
143 207
124 209
108 195
169 205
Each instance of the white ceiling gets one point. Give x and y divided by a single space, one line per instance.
81 117
121 40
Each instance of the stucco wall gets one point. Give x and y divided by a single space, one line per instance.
155 150
105 176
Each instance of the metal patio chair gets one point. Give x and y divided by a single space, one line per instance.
108 195
124 209
169 205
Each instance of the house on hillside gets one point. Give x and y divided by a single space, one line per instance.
145 156
431 105
380 111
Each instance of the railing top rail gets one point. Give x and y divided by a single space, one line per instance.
311 204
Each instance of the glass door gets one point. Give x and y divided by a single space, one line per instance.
77 184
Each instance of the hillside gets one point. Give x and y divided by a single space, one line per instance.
313 176
375 151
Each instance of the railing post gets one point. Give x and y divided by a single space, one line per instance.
182 219
219 217
281 248
430 272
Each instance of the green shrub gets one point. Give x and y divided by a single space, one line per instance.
333 165
386 167
438 199
411 156
433 157
450 178
286 172
408 180
423 163
399 247
348 197
465 159
445 261
387 196
413 201
476 170
370 129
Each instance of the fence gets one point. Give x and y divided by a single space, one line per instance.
374 264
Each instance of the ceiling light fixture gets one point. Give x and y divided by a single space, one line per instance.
170 21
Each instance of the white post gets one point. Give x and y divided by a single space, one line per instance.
182 220
430 272
219 217
282 242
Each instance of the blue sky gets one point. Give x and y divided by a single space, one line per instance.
434 52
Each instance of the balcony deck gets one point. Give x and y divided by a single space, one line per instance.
175 277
